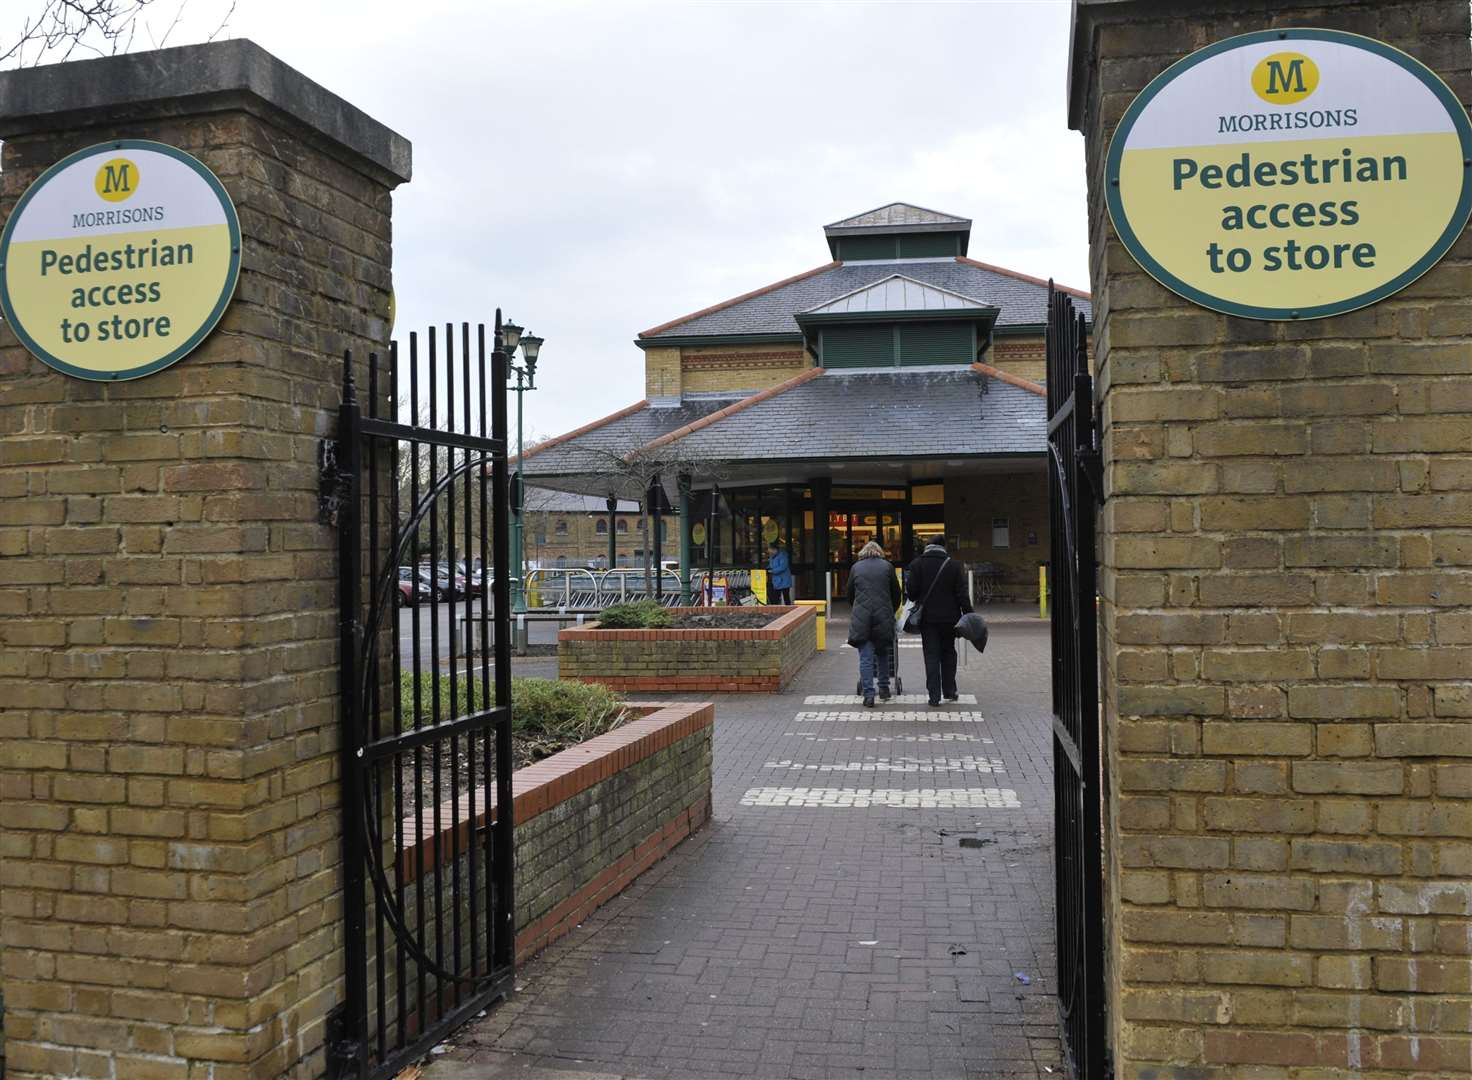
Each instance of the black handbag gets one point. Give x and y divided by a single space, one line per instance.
911 624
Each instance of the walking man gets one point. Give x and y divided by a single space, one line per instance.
935 582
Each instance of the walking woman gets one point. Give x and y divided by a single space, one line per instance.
779 580
874 593
936 583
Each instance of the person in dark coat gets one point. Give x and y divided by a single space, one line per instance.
938 617
874 593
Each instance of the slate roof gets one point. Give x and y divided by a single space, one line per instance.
896 293
934 412
1023 301
595 449
915 412
897 215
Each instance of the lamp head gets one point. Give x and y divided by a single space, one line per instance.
531 346
510 336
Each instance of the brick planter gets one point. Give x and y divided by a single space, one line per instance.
589 820
708 660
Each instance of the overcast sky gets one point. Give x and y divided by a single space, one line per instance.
600 168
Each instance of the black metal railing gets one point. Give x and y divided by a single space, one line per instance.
1074 486
418 489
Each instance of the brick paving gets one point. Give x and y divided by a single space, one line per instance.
875 929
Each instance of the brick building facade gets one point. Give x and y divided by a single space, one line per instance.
891 394
563 529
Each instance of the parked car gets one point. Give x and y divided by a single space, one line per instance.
412 590
437 583
475 577
457 581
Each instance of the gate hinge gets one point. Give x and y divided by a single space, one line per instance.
332 482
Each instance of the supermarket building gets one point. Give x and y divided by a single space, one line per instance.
893 393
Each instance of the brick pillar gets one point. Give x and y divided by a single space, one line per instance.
168 608
1286 569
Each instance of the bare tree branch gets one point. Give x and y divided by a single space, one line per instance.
59 29
631 474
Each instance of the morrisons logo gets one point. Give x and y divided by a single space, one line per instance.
1285 78
116 180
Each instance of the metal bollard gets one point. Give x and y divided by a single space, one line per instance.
521 635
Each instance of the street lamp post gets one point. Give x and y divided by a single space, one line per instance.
526 379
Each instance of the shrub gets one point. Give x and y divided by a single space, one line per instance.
636 615
567 711
547 715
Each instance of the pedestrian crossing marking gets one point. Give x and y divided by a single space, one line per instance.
966 763
897 699
900 798
874 716
939 736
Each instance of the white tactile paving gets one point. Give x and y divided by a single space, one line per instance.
936 737
965 763
901 798
898 699
874 716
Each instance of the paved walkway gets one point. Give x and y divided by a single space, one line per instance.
873 898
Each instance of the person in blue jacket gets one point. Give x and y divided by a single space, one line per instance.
779 575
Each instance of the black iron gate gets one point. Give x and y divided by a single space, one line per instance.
1074 485
421 510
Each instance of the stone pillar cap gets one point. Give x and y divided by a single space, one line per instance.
190 79
1079 25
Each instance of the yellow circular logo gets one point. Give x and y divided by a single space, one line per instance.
117 180
697 532
1285 78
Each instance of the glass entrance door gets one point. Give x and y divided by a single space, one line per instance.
850 528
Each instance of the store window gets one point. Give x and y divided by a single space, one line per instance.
600 527
1001 533
623 525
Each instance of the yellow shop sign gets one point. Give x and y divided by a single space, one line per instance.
1291 174
119 260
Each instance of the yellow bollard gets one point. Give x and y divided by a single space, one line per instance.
1042 591
822 622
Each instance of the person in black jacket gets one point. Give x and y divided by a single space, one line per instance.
874 593
940 577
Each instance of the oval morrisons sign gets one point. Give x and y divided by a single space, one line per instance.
1291 174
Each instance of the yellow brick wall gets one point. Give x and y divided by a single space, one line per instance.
168 623
661 373
726 368
583 543
1021 498
1286 566
1024 356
